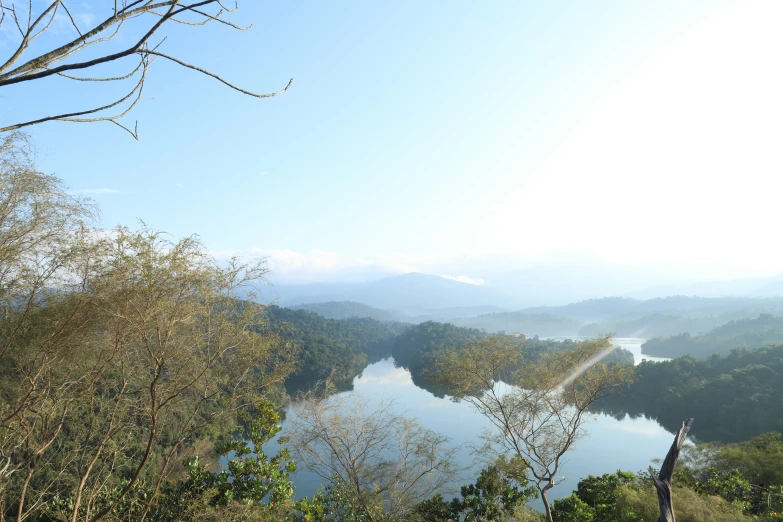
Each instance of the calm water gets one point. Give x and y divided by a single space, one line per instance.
632 344
628 444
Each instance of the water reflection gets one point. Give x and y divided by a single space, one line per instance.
632 344
611 443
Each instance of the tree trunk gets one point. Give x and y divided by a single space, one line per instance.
546 501
663 482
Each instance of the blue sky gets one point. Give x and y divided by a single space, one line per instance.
447 136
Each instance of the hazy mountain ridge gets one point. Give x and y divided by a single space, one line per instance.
624 317
750 334
530 325
417 298
348 309
412 294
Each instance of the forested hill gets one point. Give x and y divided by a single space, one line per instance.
417 348
749 333
733 398
323 345
625 317
348 309
624 309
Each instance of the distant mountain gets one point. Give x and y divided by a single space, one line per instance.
749 287
457 312
412 294
348 309
559 284
616 309
531 325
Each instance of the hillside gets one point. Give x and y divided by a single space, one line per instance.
744 334
733 398
348 309
412 294
341 348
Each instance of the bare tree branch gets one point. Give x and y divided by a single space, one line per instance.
51 63
218 78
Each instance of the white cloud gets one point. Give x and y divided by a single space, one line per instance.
180 185
465 279
95 191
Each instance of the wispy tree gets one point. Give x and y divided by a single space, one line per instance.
381 462
117 352
538 407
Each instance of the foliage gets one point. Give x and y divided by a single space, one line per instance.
336 502
749 473
626 497
539 416
572 509
496 495
387 461
252 486
331 348
734 397
119 352
417 348
642 505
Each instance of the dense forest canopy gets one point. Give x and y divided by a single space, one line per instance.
331 348
735 397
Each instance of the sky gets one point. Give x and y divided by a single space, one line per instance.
454 138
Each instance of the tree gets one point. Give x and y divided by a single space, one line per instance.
494 496
119 352
540 412
138 21
383 462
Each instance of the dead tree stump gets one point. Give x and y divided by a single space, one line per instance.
663 482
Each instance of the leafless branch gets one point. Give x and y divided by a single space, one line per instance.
218 78
54 62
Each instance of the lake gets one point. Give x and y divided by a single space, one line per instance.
611 444
632 344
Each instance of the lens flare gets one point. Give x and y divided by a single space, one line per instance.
586 366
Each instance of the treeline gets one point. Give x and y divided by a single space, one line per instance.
332 348
418 348
734 397
748 334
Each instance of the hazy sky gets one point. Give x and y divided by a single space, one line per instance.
446 136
